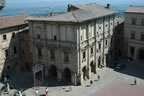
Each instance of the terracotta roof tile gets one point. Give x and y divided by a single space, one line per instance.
10 21
135 9
83 13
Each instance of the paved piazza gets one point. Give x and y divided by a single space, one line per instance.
110 81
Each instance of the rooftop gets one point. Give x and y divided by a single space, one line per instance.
10 21
135 9
2 4
83 13
119 21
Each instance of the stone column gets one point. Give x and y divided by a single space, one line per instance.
42 76
89 71
81 78
74 79
46 72
59 75
34 79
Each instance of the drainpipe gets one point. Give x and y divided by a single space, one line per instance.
79 53
103 39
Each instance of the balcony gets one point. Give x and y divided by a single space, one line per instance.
2 4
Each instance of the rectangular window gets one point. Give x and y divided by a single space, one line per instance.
55 38
119 52
92 50
106 25
133 21
99 46
132 50
6 53
23 52
81 37
66 56
38 36
142 37
119 41
106 42
119 31
142 22
4 37
15 50
52 54
13 35
84 55
39 52
132 35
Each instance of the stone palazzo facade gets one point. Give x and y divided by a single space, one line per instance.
134 34
73 45
14 45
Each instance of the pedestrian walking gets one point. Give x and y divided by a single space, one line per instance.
5 79
91 82
8 87
70 88
46 91
98 77
37 92
20 93
135 81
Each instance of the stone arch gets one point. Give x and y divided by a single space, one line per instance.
99 61
53 71
93 67
67 74
84 70
38 75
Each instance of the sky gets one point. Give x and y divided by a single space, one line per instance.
29 3
44 6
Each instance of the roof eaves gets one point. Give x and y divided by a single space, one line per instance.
96 17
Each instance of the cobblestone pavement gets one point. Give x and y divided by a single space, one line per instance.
108 76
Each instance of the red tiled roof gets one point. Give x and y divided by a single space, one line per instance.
135 9
10 21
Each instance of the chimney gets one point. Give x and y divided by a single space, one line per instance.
69 8
51 14
131 5
108 6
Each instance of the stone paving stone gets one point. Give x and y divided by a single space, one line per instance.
120 89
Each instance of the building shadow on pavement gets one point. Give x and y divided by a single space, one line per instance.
131 69
54 83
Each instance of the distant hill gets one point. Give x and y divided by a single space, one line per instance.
43 11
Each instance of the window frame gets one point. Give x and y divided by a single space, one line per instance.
4 37
13 35
133 21
6 53
132 36
66 56
52 54
92 51
39 51
142 36
142 21
84 55
15 50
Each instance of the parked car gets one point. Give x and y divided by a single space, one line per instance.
120 66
